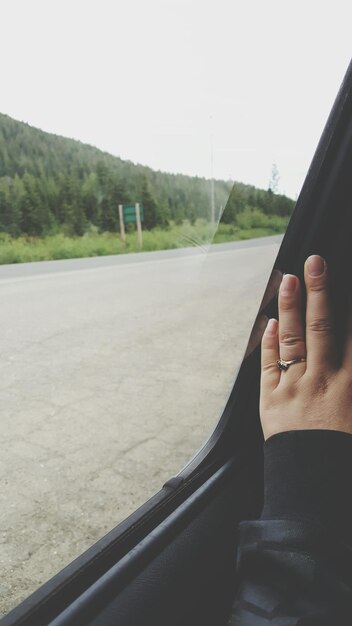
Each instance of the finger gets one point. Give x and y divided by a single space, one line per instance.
347 357
291 333
319 334
270 375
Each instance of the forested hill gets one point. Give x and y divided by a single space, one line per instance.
51 184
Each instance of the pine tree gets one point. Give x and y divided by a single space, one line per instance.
150 208
90 198
234 205
31 209
274 179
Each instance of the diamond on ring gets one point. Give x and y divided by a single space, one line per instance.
284 365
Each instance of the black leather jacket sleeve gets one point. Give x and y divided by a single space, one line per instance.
294 564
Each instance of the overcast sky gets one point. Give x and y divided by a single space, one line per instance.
153 80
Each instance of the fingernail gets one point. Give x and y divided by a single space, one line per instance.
315 265
271 327
288 284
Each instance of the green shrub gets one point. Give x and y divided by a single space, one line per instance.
249 224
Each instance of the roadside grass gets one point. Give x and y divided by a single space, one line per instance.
59 246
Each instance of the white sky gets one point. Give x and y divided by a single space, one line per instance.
153 80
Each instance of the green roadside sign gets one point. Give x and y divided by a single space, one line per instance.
130 213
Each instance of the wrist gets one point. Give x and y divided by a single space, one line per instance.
307 475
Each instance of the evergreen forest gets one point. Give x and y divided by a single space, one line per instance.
50 185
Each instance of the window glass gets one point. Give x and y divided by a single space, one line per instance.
115 368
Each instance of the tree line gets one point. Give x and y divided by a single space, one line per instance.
51 184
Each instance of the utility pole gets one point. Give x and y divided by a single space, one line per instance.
139 226
122 225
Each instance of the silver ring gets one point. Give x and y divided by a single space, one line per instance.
284 365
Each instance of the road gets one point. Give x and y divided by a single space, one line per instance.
113 372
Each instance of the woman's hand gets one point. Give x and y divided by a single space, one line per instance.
315 393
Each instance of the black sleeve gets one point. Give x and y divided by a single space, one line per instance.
294 564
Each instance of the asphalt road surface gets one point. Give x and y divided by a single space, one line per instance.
113 372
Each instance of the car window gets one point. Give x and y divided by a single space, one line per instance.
149 165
